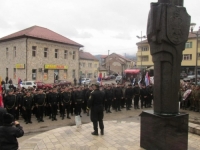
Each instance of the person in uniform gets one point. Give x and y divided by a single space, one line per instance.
129 96
10 103
40 101
19 110
53 103
66 102
118 95
79 100
150 95
108 99
136 94
144 96
28 107
87 95
95 104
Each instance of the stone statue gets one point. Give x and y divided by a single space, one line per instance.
167 32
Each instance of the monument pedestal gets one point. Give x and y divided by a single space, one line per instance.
164 132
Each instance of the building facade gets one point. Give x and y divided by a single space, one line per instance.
88 65
116 63
190 54
38 54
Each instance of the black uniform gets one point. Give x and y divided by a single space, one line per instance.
27 106
11 104
95 103
150 96
40 100
108 99
128 95
144 97
118 94
136 93
53 103
79 100
19 109
66 103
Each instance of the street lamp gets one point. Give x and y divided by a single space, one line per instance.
197 33
141 37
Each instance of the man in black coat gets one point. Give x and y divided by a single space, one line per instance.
144 96
118 95
9 132
66 101
95 103
28 107
129 96
79 100
108 99
40 101
53 103
136 94
2 112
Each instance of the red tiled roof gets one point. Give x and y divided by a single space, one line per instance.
120 56
40 33
190 36
104 56
86 55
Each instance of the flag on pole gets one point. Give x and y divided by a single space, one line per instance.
147 79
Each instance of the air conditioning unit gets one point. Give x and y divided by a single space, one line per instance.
40 70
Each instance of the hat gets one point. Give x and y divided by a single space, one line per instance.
7 119
96 84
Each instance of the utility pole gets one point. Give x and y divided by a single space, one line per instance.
108 63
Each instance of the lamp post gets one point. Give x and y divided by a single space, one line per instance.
141 37
108 63
197 33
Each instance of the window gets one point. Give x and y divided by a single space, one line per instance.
144 48
89 75
34 51
73 73
95 65
188 45
14 73
45 76
6 52
45 52
74 55
198 56
34 74
28 83
89 64
14 52
65 54
6 72
83 64
65 74
145 58
56 53
187 57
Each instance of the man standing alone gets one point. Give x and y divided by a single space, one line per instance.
95 103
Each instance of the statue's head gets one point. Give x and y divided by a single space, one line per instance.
174 2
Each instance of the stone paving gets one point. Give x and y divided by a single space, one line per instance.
118 136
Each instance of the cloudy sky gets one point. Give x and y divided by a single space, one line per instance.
99 25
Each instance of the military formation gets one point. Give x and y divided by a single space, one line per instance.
67 101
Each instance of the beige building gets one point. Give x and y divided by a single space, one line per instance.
144 58
88 65
38 54
116 63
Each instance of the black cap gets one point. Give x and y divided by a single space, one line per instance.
8 119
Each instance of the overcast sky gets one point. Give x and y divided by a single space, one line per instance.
99 25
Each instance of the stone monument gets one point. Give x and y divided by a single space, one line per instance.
168 26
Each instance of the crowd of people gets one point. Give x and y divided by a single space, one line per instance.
67 101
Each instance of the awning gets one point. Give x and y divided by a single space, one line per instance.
150 68
132 71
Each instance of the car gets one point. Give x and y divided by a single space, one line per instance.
27 84
183 75
85 81
106 78
112 76
42 85
118 79
61 83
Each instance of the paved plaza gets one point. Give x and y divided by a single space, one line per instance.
118 136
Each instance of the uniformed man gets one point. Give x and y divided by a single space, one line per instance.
144 96
66 102
118 95
95 104
20 110
53 103
108 99
28 107
10 103
40 101
136 94
150 95
79 101
87 95
129 96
